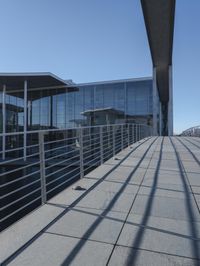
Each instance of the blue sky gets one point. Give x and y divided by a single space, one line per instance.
93 40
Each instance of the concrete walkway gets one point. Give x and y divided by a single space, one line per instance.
141 208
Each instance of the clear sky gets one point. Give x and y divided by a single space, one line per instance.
94 40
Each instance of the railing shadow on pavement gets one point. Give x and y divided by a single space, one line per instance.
69 259
28 243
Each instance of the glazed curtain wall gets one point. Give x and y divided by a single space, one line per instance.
65 109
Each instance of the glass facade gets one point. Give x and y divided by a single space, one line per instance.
91 104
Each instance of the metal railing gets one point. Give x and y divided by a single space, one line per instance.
192 132
51 160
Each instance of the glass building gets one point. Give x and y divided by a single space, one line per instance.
59 104
42 101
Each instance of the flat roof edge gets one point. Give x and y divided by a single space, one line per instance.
114 81
32 74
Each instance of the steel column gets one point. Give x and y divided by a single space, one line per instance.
170 104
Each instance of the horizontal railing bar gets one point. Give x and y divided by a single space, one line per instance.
21 148
90 150
12 160
91 155
58 155
71 178
56 179
93 134
90 161
20 188
65 167
32 155
48 167
20 178
109 152
61 147
65 129
15 201
91 139
20 168
6 217
60 140
85 169
15 149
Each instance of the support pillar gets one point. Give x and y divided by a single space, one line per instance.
160 120
170 104
155 104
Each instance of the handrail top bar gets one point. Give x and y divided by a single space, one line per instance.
65 129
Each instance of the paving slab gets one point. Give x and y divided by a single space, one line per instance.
22 231
161 191
165 156
196 189
137 162
194 179
174 237
115 187
122 255
100 171
113 201
123 172
192 167
170 178
91 224
164 164
166 207
50 250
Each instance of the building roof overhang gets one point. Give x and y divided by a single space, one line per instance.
159 21
37 82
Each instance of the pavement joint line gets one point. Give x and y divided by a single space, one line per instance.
80 238
164 196
192 143
136 213
121 220
90 230
157 252
12 256
126 218
84 207
193 229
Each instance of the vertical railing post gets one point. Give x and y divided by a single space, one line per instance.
113 140
81 152
136 132
139 132
101 143
128 134
42 167
122 142
25 117
4 122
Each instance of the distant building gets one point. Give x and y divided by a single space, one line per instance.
42 101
